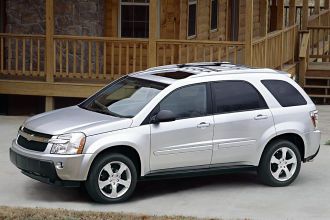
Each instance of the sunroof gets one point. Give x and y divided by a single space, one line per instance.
174 75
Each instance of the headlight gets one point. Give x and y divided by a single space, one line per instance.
68 143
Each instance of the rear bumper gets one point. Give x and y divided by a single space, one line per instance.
41 170
310 158
312 144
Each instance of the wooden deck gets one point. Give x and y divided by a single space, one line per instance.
77 66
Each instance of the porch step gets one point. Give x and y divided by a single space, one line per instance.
318 87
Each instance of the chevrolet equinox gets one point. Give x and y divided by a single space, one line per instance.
173 121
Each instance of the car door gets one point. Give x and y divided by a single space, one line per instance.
187 141
241 118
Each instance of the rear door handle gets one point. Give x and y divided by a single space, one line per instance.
260 117
203 125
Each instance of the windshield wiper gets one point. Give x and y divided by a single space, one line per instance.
105 110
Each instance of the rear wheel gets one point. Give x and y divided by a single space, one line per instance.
280 164
112 179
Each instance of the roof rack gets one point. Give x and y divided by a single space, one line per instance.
204 64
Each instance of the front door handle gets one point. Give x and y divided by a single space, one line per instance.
260 117
203 125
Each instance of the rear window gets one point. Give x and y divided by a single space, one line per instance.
286 94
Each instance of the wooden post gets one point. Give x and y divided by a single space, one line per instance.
326 4
327 7
263 18
280 26
292 12
316 7
280 15
264 10
49 65
304 20
317 10
49 103
248 31
152 49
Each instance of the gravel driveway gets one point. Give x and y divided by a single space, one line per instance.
224 196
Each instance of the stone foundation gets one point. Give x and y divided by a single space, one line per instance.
71 17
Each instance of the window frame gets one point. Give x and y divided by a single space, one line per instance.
292 86
217 16
192 2
125 2
248 110
209 104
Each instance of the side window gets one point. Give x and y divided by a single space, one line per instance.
284 93
186 102
235 96
214 15
192 16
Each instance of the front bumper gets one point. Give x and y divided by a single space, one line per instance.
43 171
45 167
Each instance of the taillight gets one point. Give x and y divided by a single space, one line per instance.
314 117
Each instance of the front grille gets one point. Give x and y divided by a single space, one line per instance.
36 141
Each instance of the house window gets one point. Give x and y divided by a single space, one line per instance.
134 18
192 13
214 14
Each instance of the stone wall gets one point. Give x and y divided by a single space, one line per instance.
72 17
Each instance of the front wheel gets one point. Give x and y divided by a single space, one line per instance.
280 164
112 179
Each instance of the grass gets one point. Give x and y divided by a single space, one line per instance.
10 213
327 142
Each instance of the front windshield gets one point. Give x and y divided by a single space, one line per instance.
124 98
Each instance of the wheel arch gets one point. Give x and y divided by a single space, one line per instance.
292 137
126 150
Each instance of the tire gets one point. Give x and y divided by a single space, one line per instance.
112 179
276 170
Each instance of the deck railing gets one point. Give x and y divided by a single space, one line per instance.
319 43
22 55
276 49
321 19
105 58
298 13
187 51
98 57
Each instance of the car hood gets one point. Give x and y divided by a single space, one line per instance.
75 119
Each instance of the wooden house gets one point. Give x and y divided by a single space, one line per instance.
70 49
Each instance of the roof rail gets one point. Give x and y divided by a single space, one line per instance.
201 64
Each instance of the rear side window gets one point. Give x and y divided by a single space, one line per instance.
235 96
286 94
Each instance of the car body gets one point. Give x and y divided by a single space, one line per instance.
172 123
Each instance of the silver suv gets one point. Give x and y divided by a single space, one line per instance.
173 121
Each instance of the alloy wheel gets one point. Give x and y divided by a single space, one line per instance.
114 179
283 164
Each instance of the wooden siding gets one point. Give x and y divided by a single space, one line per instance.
173 22
256 19
169 19
203 31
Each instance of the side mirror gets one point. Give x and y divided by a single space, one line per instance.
163 116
